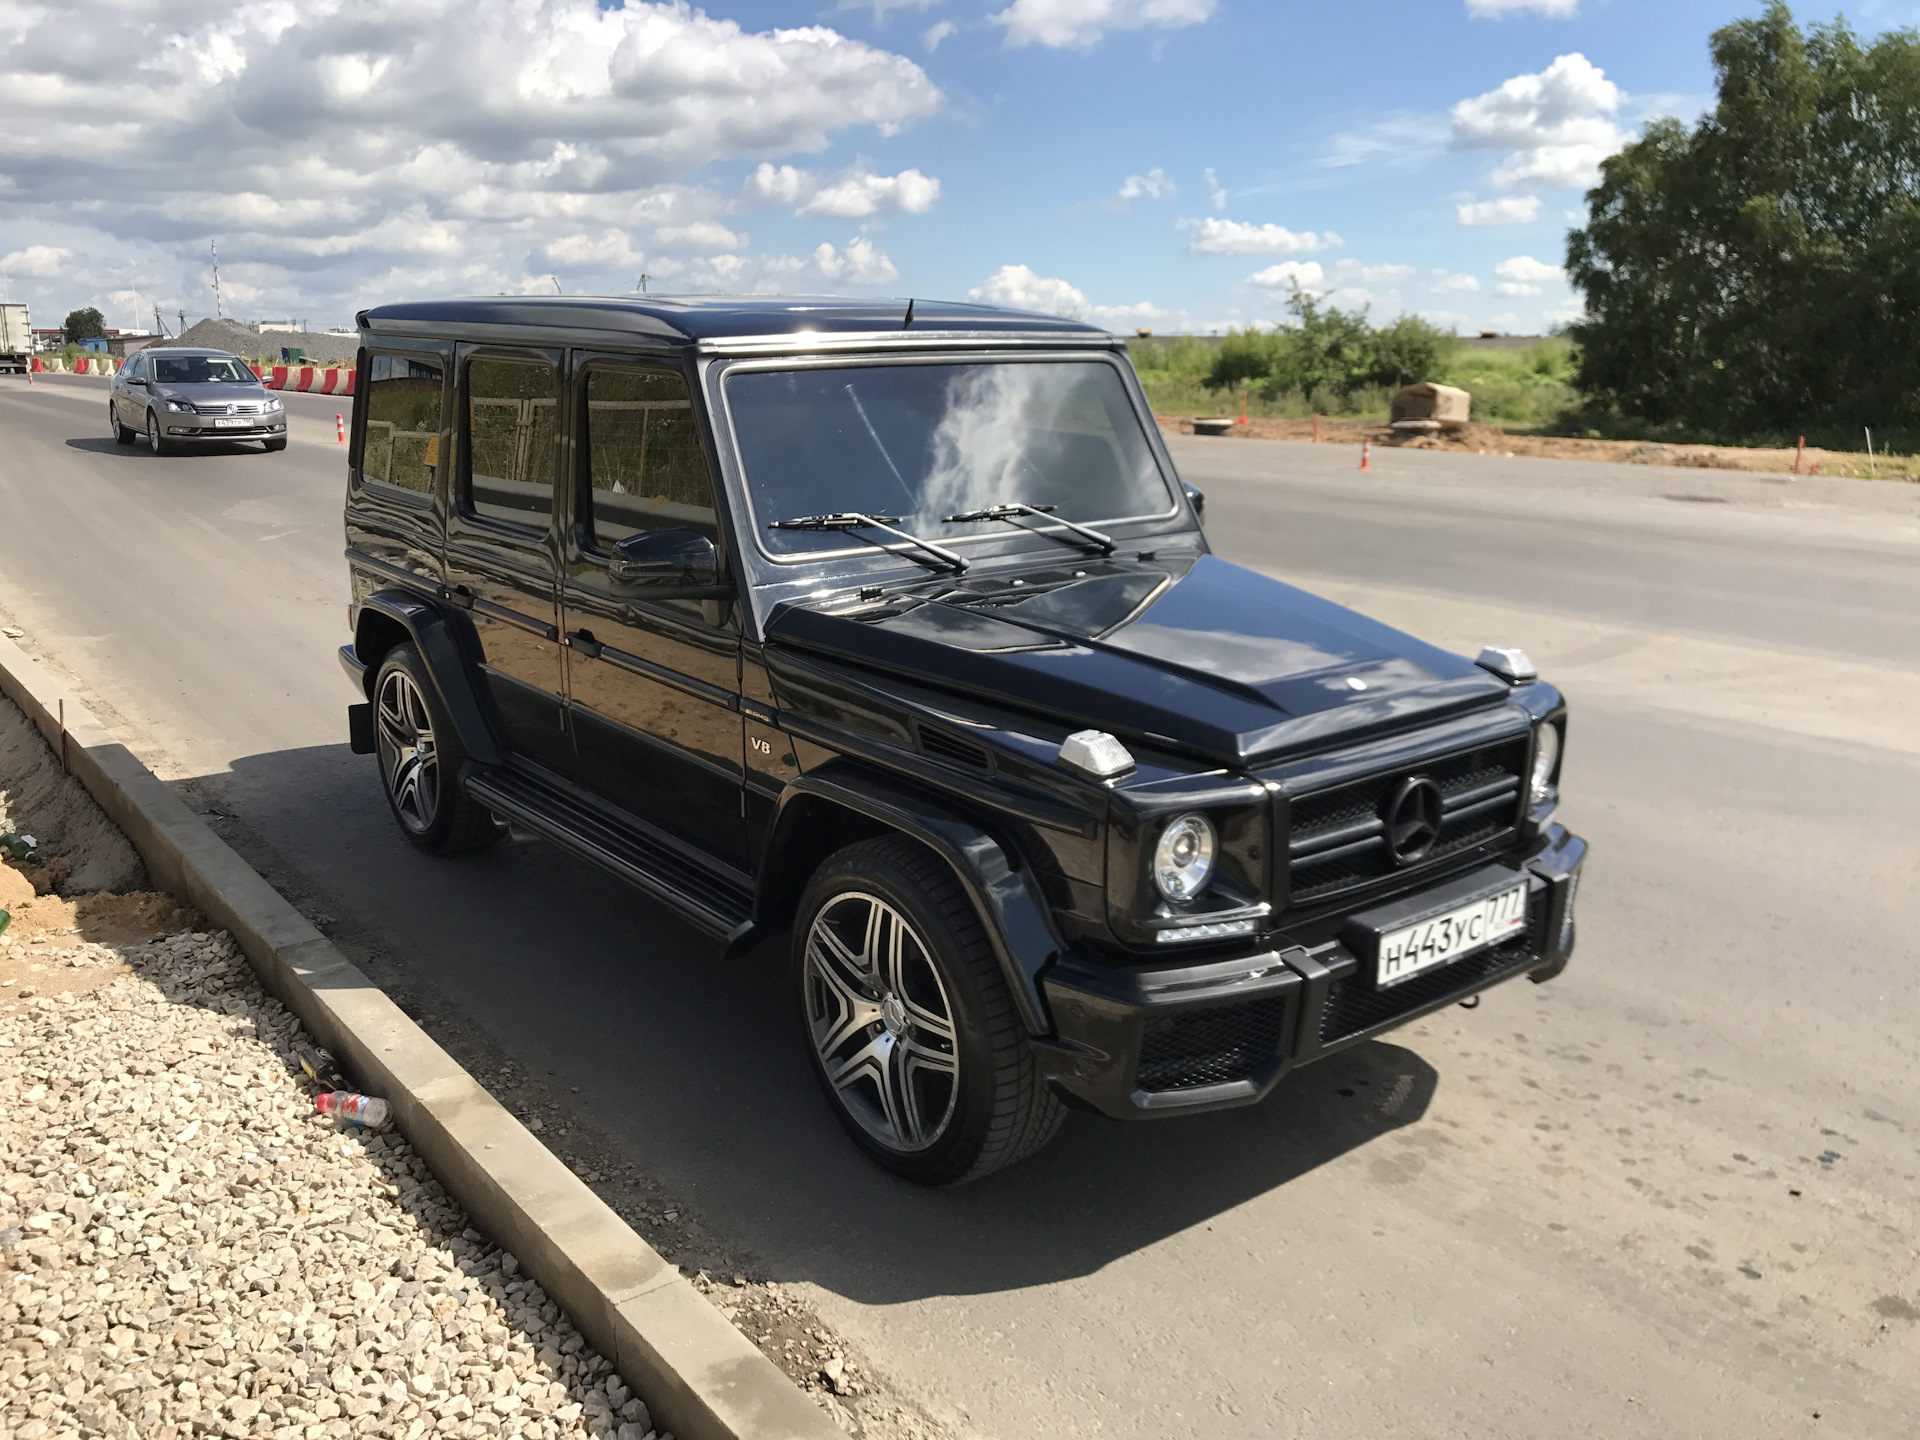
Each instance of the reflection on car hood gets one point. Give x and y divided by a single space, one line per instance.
211 394
1212 656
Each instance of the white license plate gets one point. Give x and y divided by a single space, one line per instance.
1445 938
237 424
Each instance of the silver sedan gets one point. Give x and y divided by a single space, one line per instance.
174 396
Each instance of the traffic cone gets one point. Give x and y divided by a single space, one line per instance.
1366 455
340 428
1243 407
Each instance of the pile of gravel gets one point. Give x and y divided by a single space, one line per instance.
251 344
187 1249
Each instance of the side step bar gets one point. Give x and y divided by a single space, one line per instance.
714 903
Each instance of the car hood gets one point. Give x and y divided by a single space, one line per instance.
213 394
1211 656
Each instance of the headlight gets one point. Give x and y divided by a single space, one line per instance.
184 407
273 403
1546 754
1183 860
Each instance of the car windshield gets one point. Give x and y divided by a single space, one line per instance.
201 370
924 441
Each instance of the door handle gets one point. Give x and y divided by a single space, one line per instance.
583 641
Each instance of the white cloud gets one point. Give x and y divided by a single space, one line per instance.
936 33
1524 275
1018 288
853 194
1554 125
882 8
1212 236
1216 193
1402 140
1496 9
1289 273
346 154
858 194
1352 272
708 235
1509 210
1079 24
1446 283
36 260
1156 184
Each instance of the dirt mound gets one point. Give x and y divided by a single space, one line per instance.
251 344
38 799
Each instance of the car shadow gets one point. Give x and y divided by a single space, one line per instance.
107 445
693 1069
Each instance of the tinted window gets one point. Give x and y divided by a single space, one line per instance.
402 398
926 441
644 460
510 435
201 370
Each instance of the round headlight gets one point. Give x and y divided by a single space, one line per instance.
1183 860
1546 754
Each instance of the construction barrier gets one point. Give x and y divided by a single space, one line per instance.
311 379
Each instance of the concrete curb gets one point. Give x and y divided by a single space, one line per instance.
699 1375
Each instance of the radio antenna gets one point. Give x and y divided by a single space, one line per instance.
907 323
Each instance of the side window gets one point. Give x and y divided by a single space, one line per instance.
403 396
138 369
645 467
510 438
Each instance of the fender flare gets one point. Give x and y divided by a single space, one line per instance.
1003 891
440 646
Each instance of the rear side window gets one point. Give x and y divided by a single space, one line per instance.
511 406
403 397
644 462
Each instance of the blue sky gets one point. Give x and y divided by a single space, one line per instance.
1171 163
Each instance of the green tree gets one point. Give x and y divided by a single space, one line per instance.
1410 349
1327 349
1761 272
85 324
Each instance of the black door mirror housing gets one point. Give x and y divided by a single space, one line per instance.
668 564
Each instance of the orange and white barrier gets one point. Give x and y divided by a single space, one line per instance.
312 379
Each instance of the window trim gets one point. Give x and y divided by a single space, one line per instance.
460 502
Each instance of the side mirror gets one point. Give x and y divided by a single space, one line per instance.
674 564
1197 498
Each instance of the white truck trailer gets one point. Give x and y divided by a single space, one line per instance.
16 338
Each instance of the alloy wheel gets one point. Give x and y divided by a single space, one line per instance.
153 432
881 1022
409 760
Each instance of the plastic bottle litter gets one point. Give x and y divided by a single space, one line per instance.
365 1110
321 1068
21 847
5 920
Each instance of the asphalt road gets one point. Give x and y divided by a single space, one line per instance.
1672 1193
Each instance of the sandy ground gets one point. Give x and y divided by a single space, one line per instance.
1492 440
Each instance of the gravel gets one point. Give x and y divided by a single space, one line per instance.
187 1249
251 344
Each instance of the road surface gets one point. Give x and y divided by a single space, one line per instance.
1672 1193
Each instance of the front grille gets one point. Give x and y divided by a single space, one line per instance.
1210 1047
1354 1005
1337 838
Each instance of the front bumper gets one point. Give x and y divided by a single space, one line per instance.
1169 1039
190 428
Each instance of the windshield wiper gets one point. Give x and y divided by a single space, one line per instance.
854 520
1014 510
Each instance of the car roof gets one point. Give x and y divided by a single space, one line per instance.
187 350
699 319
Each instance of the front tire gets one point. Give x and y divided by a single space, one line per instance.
420 759
155 441
273 445
914 1036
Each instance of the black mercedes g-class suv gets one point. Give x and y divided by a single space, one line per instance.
891 626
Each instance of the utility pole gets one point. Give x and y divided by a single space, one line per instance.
219 310
158 323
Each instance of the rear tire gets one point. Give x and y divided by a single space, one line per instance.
420 758
914 1035
121 433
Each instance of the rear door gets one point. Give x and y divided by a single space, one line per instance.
502 552
654 685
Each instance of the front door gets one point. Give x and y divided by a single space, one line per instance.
654 685
502 555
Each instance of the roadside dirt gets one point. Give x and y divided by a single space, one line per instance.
1492 440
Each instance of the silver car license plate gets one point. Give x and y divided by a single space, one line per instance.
1442 939
239 424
